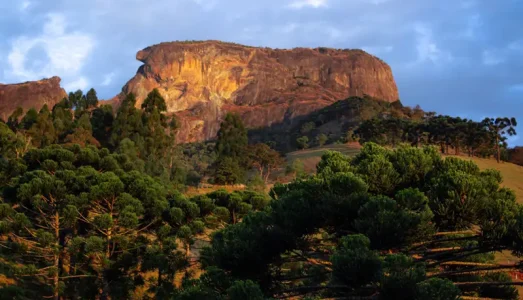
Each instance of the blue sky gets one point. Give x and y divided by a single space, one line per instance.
458 57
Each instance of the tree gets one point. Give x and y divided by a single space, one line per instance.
42 131
321 139
157 139
232 138
12 145
354 263
402 276
45 213
128 122
393 224
14 119
303 142
437 289
264 159
245 290
67 221
164 257
154 101
228 171
91 98
102 123
29 119
499 128
62 120
296 168
307 127
82 133
333 162
230 149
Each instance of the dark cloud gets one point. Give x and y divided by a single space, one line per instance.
460 57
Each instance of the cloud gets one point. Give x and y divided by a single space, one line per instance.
491 58
206 4
426 47
79 84
299 4
54 52
24 5
377 2
378 49
108 79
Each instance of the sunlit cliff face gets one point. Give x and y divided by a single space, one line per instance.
201 81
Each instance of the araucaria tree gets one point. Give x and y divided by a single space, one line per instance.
402 224
499 128
231 151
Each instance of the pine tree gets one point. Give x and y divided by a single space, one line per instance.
232 137
82 134
499 128
43 132
29 119
14 119
128 122
102 123
91 98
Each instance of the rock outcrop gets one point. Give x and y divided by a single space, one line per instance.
201 81
30 94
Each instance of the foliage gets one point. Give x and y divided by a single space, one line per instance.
303 142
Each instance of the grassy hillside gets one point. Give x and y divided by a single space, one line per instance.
512 173
311 157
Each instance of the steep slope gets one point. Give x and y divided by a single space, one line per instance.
30 94
201 81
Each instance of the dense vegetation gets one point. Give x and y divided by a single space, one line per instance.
91 208
484 139
332 124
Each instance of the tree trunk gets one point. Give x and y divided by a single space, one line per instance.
159 277
498 157
267 174
105 285
187 250
233 217
56 264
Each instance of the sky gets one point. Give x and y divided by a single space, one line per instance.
456 57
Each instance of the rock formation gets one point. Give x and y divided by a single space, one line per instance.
30 94
201 81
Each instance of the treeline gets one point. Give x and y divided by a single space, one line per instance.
387 224
147 135
84 223
332 124
451 134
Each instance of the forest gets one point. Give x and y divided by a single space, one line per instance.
94 206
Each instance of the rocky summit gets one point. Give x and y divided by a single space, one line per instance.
32 94
202 81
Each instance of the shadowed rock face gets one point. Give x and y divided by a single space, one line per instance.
202 81
30 94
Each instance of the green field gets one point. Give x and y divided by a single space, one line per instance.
311 157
